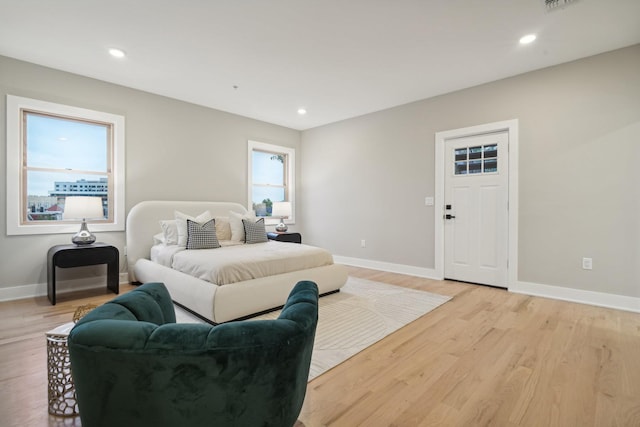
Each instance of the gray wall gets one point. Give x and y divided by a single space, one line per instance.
174 151
367 177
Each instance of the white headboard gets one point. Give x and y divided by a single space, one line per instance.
143 222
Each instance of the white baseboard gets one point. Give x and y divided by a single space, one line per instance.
62 286
600 299
428 273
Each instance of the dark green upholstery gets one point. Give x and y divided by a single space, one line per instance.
134 366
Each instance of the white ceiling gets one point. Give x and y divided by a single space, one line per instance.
337 58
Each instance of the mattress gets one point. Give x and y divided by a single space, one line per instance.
239 262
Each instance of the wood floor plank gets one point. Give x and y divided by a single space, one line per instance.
487 357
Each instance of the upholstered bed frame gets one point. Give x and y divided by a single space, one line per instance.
214 303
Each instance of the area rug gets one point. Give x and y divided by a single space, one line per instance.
361 314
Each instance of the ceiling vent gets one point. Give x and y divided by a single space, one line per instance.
557 4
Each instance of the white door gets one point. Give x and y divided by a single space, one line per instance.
476 226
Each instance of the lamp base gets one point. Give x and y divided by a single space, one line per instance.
282 227
84 236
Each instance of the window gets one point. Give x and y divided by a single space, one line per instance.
55 151
271 179
482 159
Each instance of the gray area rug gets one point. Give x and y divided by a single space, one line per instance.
361 314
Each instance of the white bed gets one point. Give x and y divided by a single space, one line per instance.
216 303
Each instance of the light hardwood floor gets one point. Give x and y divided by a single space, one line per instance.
487 357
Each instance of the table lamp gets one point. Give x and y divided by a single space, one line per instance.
281 209
83 207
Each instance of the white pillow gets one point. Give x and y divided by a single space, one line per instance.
159 239
237 228
169 231
181 223
223 228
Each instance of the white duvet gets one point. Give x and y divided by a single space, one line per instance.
240 262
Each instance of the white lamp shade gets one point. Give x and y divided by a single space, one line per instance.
83 207
281 209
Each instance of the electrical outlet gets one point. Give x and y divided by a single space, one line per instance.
363 243
587 263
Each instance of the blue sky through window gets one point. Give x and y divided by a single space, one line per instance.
66 145
267 170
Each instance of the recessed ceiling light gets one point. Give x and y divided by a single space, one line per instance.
117 53
527 39
302 111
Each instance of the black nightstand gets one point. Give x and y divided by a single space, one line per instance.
67 256
285 237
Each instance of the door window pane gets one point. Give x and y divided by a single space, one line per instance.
475 166
461 154
490 151
476 160
475 152
461 168
490 165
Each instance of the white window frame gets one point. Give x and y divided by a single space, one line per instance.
15 107
290 179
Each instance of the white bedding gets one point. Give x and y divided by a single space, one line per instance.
239 262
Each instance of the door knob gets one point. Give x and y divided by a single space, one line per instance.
448 216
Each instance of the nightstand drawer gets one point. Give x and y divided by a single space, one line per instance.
87 255
285 237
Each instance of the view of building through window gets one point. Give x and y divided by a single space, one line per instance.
51 206
64 157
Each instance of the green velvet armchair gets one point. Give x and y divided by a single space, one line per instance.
132 365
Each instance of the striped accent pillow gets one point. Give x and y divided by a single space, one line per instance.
254 232
202 236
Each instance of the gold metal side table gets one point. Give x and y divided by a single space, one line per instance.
62 393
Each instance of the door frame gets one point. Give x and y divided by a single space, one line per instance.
511 127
